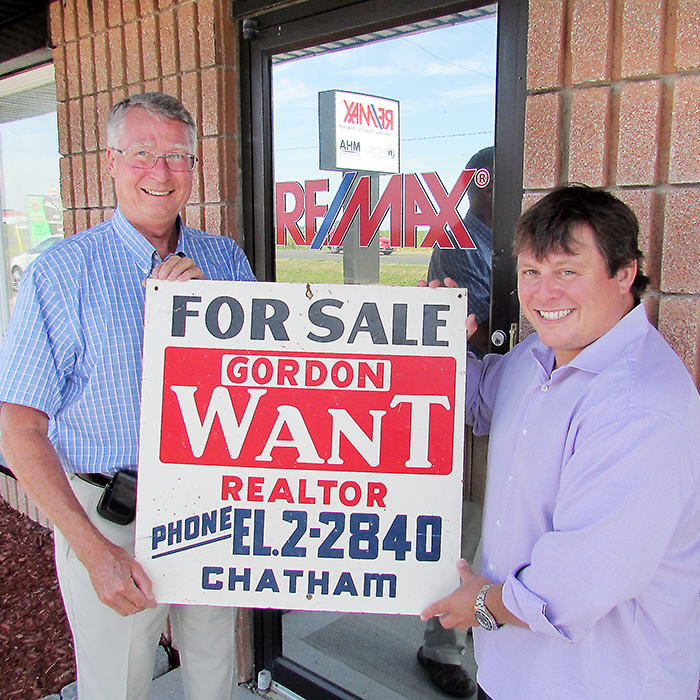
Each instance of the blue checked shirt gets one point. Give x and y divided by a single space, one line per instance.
75 341
469 268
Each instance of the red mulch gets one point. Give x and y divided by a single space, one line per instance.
36 647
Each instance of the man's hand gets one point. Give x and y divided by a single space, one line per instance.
177 268
472 325
457 609
119 580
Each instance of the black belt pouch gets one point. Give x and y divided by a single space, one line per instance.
118 501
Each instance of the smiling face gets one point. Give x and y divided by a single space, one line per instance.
151 199
570 299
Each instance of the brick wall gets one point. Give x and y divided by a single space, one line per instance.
107 49
612 92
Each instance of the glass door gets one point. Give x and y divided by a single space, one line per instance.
433 79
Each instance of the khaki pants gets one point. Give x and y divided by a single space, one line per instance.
115 655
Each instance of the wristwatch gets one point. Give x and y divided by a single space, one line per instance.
482 613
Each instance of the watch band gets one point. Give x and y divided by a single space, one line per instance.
482 613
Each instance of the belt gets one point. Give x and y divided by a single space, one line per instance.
100 480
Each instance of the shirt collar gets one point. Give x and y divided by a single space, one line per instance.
602 353
143 252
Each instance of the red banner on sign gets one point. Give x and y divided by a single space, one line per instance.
276 410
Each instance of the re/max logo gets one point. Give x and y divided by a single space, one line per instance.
368 115
408 200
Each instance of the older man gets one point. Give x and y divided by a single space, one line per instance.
589 565
70 373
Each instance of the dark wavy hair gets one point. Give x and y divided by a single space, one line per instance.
548 226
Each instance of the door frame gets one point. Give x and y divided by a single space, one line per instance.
267 28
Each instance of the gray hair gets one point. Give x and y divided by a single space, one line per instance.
159 104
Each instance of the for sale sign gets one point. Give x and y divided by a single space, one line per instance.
301 445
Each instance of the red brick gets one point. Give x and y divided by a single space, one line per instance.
115 41
545 44
230 222
590 115
65 167
678 323
75 126
642 21
171 86
191 93
542 139
210 102
90 123
168 44
81 220
59 63
197 195
206 31
688 31
153 85
63 127
590 41
166 3
132 47
148 7
114 13
78 173
638 135
193 216
95 216
640 202
68 222
72 69
149 41
229 88
211 169
104 103
56 22
106 185
70 22
130 10
680 271
99 15
83 13
187 35
101 63
684 165
212 218
87 66
92 180
230 175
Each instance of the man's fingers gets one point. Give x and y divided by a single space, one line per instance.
437 608
143 583
177 268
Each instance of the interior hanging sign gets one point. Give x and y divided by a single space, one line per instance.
301 445
358 132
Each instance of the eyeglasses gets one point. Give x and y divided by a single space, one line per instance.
177 162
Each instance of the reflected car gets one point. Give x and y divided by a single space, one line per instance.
19 263
384 247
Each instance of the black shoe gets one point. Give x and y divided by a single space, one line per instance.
451 679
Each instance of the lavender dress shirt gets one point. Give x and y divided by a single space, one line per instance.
592 519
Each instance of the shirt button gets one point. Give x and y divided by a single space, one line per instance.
498 522
545 387
492 567
510 477
524 431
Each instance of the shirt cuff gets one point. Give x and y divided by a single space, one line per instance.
529 608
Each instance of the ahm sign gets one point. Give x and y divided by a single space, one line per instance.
405 200
358 132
